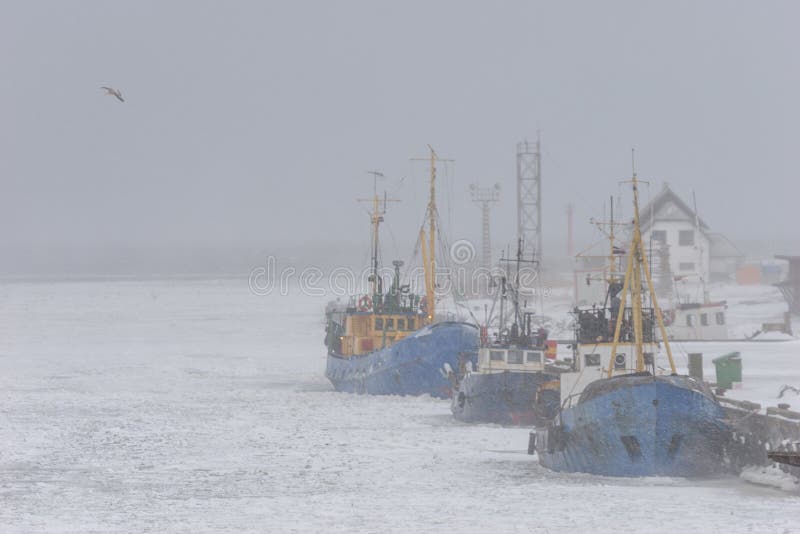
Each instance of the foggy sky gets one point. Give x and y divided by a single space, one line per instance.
248 127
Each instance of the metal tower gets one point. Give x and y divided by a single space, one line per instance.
485 195
529 198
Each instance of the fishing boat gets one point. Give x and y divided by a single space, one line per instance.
511 384
389 342
621 413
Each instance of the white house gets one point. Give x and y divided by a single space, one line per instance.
682 243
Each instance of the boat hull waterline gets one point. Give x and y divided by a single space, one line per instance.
639 426
420 364
505 398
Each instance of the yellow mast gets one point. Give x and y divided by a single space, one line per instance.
430 267
429 263
424 249
637 262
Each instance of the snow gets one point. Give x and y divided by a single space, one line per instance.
770 475
196 406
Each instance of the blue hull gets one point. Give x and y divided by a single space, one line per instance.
416 365
506 398
639 426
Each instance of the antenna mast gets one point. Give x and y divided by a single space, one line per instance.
376 218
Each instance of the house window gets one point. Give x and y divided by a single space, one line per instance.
592 360
720 318
515 356
659 235
379 323
497 355
389 323
686 238
534 356
690 320
704 319
401 324
410 324
686 266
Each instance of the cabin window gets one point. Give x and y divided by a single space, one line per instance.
686 238
704 319
686 266
379 323
592 360
410 324
648 358
401 324
620 361
659 236
533 356
720 318
497 355
515 356
389 323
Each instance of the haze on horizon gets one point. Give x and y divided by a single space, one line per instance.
248 128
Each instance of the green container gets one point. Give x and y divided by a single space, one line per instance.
729 369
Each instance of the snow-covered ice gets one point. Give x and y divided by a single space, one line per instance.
196 406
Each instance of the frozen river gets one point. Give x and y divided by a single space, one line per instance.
196 406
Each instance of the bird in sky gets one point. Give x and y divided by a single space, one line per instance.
113 92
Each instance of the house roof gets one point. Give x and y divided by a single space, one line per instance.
662 198
722 247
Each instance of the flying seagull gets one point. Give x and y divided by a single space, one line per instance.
114 92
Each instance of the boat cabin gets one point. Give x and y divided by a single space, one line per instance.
697 321
373 322
511 359
365 332
591 352
516 348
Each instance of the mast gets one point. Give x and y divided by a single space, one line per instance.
429 263
376 218
429 248
637 263
514 286
432 241
612 263
701 253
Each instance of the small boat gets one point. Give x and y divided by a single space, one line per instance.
785 457
389 342
621 414
511 384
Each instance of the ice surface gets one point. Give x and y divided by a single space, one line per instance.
195 406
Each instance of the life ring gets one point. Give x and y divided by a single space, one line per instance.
365 303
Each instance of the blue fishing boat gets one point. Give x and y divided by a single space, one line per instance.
639 425
622 413
389 342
